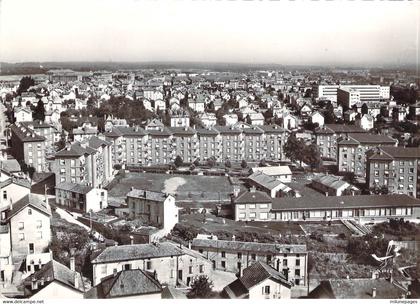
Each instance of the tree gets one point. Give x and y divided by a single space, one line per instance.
244 164
228 163
312 156
263 163
211 162
25 83
329 113
365 109
293 148
39 111
201 288
178 161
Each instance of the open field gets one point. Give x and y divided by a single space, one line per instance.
184 187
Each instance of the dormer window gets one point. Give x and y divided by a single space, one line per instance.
29 211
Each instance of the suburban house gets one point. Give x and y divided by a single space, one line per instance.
269 184
259 281
366 122
155 208
252 206
208 119
130 284
333 185
172 264
28 222
235 256
281 173
55 281
318 118
81 198
12 190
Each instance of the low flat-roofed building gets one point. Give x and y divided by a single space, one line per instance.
362 207
282 173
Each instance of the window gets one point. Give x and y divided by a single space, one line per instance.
148 265
263 215
223 254
252 215
239 255
39 224
268 258
297 272
201 268
285 262
29 211
223 264
21 225
251 206
190 270
4 194
297 262
253 256
266 289
241 206
242 215
21 236
263 206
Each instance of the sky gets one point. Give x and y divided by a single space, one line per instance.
282 32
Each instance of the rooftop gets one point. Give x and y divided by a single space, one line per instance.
137 252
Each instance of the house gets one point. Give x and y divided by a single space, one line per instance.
333 185
12 190
356 289
55 281
290 121
81 198
259 281
230 119
180 119
234 256
208 119
252 205
28 220
22 114
268 184
318 118
155 208
366 122
256 119
282 173
131 283
172 264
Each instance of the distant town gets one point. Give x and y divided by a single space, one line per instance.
185 183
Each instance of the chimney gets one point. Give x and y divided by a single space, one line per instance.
72 264
374 292
131 240
34 284
76 280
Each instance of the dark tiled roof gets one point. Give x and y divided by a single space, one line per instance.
207 132
367 138
19 182
126 131
148 195
272 129
355 289
248 246
135 252
124 284
258 272
34 200
249 197
343 202
95 142
227 130
161 132
236 290
264 180
401 152
337 128
25 134
182 131
54 271
76 188
253 130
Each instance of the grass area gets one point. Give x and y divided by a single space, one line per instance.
324 228
185 187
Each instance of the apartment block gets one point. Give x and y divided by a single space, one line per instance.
28 147
352 151
395 169
327 136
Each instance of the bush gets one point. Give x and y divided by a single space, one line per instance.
363 247
201 288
